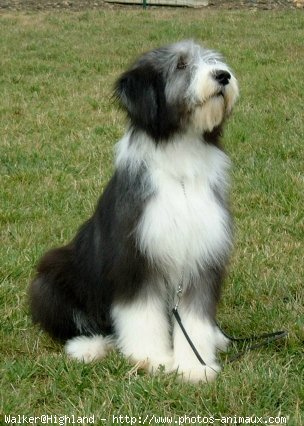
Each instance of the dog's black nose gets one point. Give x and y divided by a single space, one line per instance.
222 77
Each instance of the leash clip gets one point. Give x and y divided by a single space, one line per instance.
179 296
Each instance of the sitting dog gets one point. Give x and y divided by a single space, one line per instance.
162 225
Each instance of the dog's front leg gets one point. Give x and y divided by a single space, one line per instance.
142 331
199 325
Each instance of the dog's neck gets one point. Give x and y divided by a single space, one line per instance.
184 157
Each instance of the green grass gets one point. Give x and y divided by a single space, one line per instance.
58 127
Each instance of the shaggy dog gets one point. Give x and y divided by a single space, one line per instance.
162 224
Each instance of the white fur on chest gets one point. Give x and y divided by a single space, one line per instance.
184 227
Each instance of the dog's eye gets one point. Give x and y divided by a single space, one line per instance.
181 64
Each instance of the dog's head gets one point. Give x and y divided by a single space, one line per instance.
177 88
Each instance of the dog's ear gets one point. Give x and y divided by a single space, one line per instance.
141 91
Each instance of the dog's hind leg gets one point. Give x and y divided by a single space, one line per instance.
56 303
64 321
50 310
88 348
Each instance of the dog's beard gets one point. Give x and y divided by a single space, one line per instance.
209 114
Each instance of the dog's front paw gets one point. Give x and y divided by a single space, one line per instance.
197 373
154 365
165 364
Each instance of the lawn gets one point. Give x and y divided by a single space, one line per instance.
58 128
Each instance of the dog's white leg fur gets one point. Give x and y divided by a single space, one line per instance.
88 348
221 342
204 337
142 332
